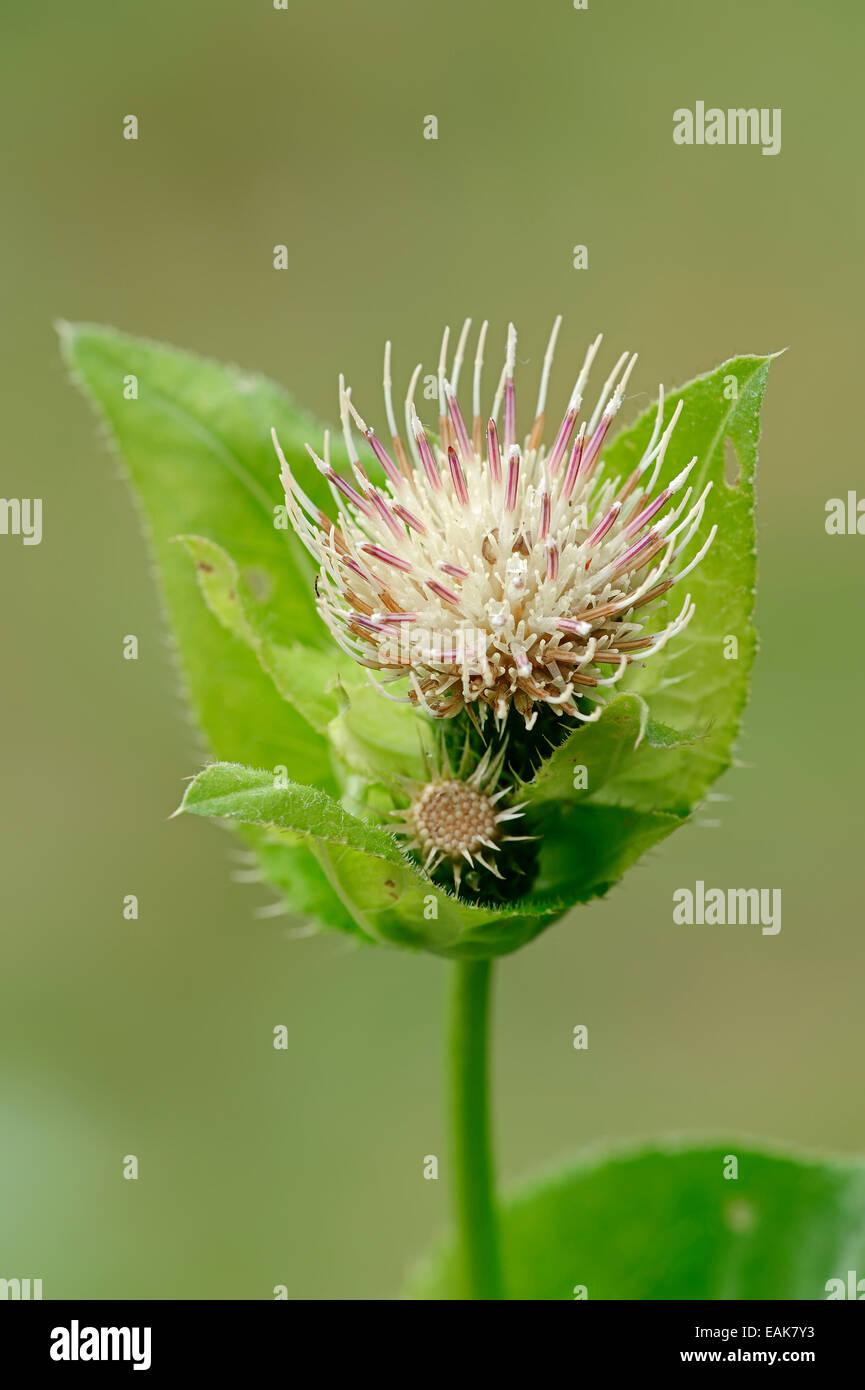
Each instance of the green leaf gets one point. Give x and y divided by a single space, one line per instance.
306 676
690 684
585 849
196 445
387 895
258 798
595 752
585 845
661 736
381 740
663 740
662 1222
289 864
376 738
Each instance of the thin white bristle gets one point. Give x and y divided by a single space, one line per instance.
458 357
479 363
547 368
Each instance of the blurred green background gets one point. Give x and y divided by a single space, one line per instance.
304 127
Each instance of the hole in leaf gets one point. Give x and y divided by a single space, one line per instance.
732 468
259 583
740 1216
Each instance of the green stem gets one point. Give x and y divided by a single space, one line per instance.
470 1129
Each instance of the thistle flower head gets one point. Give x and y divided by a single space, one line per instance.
490 569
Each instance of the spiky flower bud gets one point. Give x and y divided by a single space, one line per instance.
456 820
